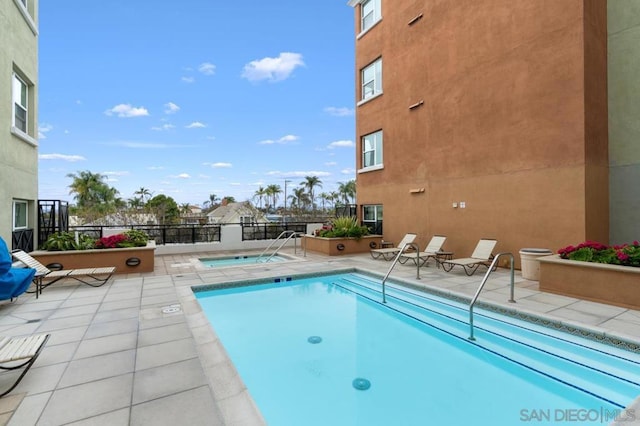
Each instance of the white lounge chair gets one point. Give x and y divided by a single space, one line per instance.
95 277
391 252
432 250
18 352
482 255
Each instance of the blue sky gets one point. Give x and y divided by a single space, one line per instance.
193 98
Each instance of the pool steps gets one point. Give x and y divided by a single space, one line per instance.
611 374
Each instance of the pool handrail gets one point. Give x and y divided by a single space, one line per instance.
292 234
395 261
484 281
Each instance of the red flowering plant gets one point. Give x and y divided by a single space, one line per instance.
591 251
111 241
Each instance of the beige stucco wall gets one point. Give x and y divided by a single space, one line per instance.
624 119
513 124
18 157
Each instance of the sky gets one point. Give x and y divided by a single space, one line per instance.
194 98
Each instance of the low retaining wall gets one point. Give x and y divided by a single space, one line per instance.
611 284
126 260
341 246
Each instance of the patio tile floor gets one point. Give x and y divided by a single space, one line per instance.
116 358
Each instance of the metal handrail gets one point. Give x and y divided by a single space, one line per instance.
484 280
293 233
395 261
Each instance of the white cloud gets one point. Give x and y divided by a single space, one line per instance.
127 111
207 68
283 140
64 157
42 129
196 124
330 164
182 176
155 168
115 173
163 127
347 171
171 108
341 144
339 112
221 165
188 79
272 69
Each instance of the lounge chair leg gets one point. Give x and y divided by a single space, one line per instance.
28 365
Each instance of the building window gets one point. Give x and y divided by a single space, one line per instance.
372 79
247 220
20 107
372 149
19 215
369 14
372 217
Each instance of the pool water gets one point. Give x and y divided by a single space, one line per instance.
218 262
307 350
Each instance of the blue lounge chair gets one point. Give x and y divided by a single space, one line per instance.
13 281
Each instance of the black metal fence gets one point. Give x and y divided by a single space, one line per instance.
162 234
22 240
53 217
270 231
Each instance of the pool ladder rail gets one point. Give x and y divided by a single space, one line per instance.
490 269
287 235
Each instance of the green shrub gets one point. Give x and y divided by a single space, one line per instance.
344 227
67 241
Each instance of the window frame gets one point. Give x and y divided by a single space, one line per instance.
377 147
374 224
375 14
376 80
247 220
15 214
18 84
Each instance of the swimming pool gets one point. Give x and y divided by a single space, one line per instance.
307 349
217 262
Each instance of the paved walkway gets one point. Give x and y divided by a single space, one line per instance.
139 351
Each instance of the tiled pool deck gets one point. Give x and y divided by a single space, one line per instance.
115 358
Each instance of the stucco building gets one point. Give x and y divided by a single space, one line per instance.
18 121
496 119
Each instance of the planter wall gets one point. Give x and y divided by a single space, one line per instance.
331 246
612 284
118 257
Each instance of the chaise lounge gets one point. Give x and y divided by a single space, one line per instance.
44 277
482 255
391 252
18 352
432 250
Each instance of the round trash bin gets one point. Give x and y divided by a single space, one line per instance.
530 263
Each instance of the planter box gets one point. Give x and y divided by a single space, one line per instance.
341 246
611 284
118 257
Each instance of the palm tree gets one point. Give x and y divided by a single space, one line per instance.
184 208
311 182
272 191
260 194
347 190
143 193
93 196
299 198
211 202
325 198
